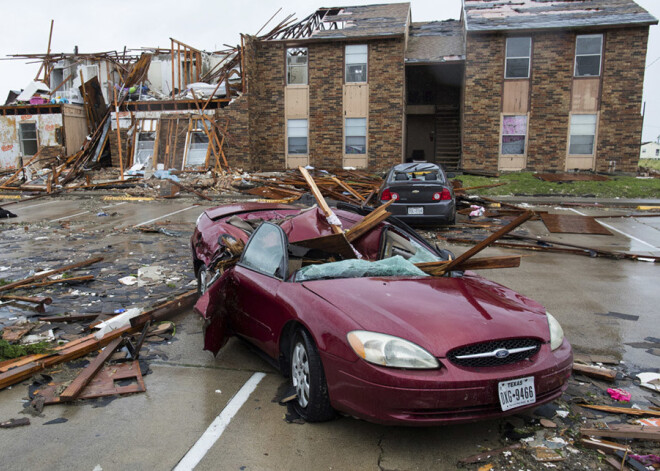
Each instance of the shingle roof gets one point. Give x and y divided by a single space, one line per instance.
435 41
368 20
497 15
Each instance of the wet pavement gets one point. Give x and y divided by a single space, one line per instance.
595 299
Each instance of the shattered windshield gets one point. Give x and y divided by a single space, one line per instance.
393 266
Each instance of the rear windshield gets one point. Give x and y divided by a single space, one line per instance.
430 176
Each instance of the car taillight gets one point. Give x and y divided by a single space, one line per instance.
388 195
437 196
445 195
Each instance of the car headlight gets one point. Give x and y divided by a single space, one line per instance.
386 350
556 332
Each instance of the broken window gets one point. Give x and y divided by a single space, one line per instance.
518 52
28 138
588 50
296 136
514 131
583 134
356 63
296 66
198 147
265 250
356 136
144 148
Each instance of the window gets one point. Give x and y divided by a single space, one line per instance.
514 132
144 148
265 251
356 136
28 138
588 49
583 133
198 146
296 136
518 52
657 152
296 66
356 63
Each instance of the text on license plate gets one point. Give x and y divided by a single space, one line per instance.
516 392
416 210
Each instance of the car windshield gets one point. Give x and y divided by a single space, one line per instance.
394 266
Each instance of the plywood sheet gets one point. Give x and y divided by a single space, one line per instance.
573 224
585 95
356 100
516 162
516 96
296 102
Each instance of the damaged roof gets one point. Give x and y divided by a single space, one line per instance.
435 41
497 15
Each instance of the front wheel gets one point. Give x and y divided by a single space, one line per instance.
308 380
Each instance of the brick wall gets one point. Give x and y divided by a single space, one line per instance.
620 127
551 80
482 105
326 78
386 103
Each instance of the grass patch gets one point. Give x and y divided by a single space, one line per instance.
5 281
9 351
650 163
524 183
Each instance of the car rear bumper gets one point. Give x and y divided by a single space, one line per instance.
433 213
436 397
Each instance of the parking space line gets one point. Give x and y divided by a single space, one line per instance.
217 427
38 204
68 217
113 205
161 217
619 231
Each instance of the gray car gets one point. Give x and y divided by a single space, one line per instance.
422 194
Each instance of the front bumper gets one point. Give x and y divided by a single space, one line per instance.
444 396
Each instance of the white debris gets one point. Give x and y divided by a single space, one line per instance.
128 280
36 338
650 381
562 413
116 322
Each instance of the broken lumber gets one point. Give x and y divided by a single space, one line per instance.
31 279
11 423
191 190
73 279
489 240
621 410
27 299
70 318
484 263
348 188
336 228
640 432
595 371
83 379
604 445
370 221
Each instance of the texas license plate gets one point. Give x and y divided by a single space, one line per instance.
517 392
416 210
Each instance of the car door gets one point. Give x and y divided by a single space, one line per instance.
257 277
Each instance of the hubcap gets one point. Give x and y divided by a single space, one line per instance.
300 374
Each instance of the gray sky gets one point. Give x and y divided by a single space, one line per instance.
101 26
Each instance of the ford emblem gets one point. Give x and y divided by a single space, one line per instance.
501 353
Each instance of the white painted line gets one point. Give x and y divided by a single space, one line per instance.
161 217
113 205
620 232
39 204
217 427
69 217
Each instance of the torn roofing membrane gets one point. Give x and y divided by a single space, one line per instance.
435 41
543 14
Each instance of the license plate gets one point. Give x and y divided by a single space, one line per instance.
517 392
416 210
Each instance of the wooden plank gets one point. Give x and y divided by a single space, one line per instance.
28 280
584 96
71 318
121 160
365 225
319 199
18 374
348 188
621 410
86 375
490 239
595 371
191 190
27 299
640 432
515 96
483 263
604 445
334 244
75 279
573 224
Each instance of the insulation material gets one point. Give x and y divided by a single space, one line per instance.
393 266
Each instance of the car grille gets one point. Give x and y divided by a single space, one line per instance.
482 355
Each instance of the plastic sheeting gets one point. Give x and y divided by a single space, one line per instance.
393 266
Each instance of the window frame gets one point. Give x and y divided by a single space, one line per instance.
22 140
595 135
525 142
189 143
288 66
600 55
366 137
507 58
346 64
296 154
284 263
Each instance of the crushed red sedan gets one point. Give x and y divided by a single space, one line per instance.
359 329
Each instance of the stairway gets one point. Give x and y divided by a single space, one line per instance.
448 136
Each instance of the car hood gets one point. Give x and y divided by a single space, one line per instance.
437 313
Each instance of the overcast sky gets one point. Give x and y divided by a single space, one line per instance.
103 26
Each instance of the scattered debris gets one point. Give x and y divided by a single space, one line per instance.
12 423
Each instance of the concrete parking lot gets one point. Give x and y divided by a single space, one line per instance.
222 413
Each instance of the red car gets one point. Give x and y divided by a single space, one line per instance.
364 331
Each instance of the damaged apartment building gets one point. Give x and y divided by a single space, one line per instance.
512 85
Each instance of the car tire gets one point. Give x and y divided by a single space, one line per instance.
308 380
202 279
